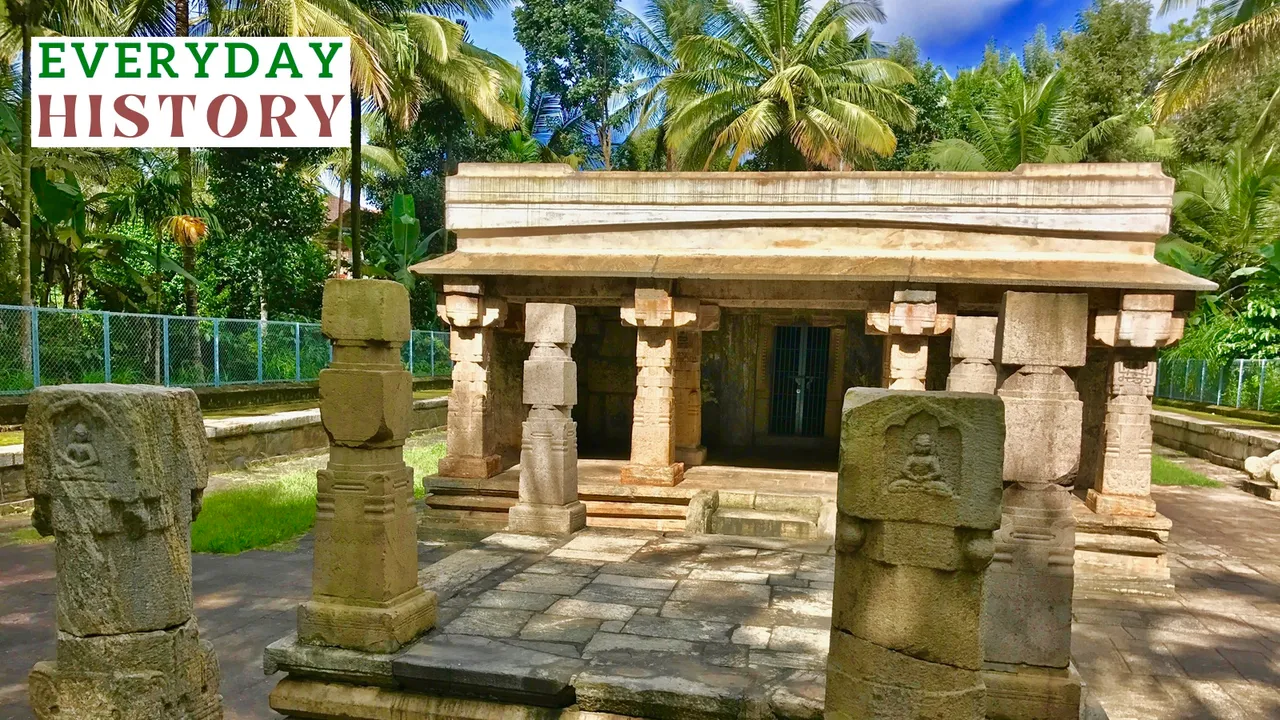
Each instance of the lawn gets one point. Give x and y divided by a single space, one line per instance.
1166 472
260 513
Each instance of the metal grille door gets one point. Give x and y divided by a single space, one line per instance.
799 392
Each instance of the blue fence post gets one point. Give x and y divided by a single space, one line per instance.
433 354
164 325
297 352
412 371
217 354
260 324
1262 381
106 347
1204 369
1222 381
1239 381
35 347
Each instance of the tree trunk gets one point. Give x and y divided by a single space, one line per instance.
356 162
342 193
606 149
182 28
24 169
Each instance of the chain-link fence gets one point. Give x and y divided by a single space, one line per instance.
52 346
1235 383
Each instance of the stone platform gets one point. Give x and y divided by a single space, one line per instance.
618 622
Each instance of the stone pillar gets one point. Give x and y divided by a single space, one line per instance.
687 369
364 583
549 449
907 324
918 499
471 439
1027 631
973 351
656 316
117 473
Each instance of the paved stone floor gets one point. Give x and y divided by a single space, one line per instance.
1211 651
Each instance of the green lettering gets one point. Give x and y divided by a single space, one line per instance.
48 60
157 62
284 58
326 59
231 60
202 60
90 68
123 60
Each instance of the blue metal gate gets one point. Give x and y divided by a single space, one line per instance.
798 397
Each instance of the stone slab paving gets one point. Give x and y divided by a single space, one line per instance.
1213 649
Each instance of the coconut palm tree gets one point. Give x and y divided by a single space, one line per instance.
650 44
1245 36
791 87
1026 123
375 156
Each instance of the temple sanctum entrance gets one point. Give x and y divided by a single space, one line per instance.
800 371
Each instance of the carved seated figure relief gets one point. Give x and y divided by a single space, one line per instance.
80 452
921 470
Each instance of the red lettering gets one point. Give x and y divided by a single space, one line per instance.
281 120
238 122
95 116
140 122
325 117
68 117
176 102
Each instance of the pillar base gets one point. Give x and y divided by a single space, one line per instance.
1123 554
1107 504
470 466
658 475
547 519
691 456
1032 693
373 627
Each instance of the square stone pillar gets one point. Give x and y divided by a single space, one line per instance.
907 324
687 369
365 593
656 316
918 499
1027 629
549 451
472 437
117 473
973 352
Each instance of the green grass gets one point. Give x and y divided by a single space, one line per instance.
13 437
1205 415
1165 472
261 513
23 536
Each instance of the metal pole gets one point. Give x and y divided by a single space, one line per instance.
1222 381
260 351
433 354
1204 369
297 352
1239 382
35 347
165 333
106 347
217 355
1262 382
1186 377
412 370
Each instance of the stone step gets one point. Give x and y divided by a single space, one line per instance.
500 505
650 524
635 510
479 503
763 523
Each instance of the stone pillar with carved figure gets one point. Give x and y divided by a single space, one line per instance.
471 439
549 449
907 324
657 316
1027 629
918 499
973 351
364 588
117 473
687 368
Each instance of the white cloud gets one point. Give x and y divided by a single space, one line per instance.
1161 23
937 20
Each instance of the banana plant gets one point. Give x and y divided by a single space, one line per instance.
406 249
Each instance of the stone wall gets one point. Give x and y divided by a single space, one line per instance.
1222 443
235 442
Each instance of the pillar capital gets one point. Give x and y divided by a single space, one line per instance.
463 304
657 308
1141 321
911 312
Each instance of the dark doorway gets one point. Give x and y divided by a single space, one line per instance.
799 380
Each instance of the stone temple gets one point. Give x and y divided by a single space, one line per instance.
628 340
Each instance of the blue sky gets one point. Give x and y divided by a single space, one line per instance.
950 32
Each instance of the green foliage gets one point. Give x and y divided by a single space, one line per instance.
256 514
641 151
1167 472
935 119
264 259
406 247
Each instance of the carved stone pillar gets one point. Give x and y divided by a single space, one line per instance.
687 369
549 450
656 316
364 587
117 473
918 499
471 440
1027 631
973 351
907 324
